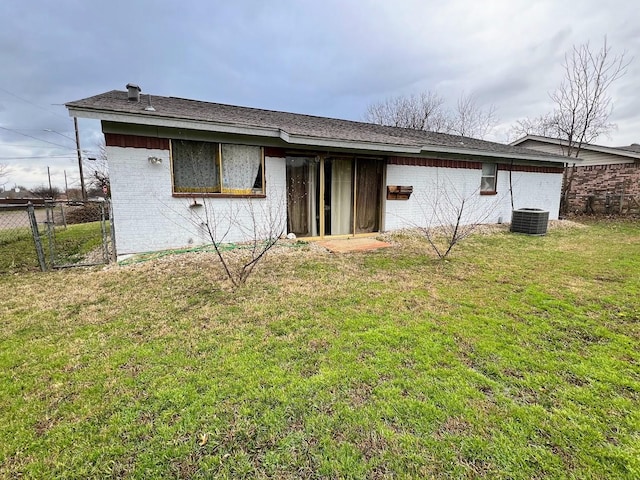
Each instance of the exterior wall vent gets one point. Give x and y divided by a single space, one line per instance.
133 92
532 221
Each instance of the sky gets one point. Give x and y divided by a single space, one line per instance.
329 58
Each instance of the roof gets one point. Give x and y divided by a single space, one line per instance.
292 128
631 151
634 147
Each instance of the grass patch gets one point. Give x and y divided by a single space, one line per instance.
517 358
18 251
75 241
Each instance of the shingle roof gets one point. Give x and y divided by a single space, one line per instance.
634 147
631 151
294 124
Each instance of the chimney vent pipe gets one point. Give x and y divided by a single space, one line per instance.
133 92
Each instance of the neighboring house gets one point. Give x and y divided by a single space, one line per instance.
18 194
606 180
323 177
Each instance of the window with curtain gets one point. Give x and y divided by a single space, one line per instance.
240 169
213 168
195 167
489 177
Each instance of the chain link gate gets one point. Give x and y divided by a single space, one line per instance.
78 235
45 235
20 246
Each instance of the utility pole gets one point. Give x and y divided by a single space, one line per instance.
84 191
66 186
50 189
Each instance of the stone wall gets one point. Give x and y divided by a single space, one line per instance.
605 189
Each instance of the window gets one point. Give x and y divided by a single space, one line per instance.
489 176
214 168
195 167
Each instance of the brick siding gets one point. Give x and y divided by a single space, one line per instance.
600 189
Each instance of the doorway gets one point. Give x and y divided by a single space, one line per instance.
330 196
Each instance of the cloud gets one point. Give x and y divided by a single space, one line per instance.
328 58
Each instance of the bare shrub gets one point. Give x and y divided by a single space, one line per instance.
449 216
257 220
89 212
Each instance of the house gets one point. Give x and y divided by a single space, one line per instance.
175 163
607 180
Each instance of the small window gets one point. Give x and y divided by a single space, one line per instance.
489 176
213 168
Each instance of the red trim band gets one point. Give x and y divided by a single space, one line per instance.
135 141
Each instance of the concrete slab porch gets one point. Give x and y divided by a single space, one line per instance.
347 245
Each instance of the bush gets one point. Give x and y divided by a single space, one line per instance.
90 212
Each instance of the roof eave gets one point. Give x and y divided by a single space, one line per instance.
289 138
155 120
218 127
584 146
492 154
293 139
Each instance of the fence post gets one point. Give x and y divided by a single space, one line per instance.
103 231
64 217
50 233
112 229
36 236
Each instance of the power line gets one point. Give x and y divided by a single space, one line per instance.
35 138
33 104
41 156
58 133
34 146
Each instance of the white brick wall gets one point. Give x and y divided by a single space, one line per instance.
530 190
147 217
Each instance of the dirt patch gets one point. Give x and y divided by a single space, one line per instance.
347 245
299 248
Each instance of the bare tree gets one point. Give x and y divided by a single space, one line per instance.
256 224
427 112
449 216
542 126
46 192
98 169
258 220
4 174
582 102
420 112
470 120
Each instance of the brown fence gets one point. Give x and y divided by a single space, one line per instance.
605 204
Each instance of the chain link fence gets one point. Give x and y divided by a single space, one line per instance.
55 235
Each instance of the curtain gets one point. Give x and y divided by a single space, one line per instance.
312 203
195 169
240 166
369 181
302 182
341 196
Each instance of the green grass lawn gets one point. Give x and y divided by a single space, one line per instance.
18 251
517 358
75 241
